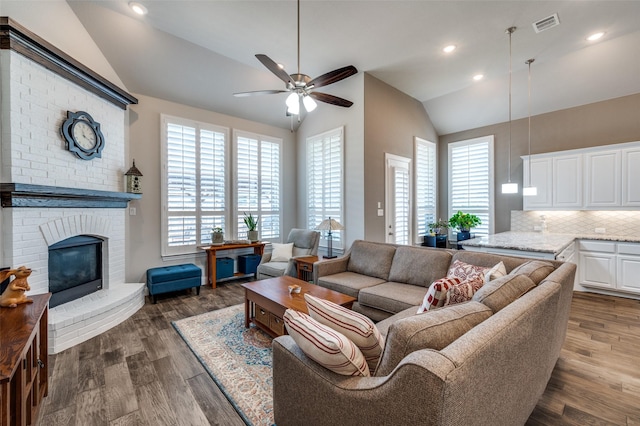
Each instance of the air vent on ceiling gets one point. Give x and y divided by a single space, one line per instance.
546 23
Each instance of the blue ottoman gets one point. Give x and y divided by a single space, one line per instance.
173 278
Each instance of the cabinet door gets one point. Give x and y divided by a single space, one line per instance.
602 185
628 273
631 177
597 270
541 179
567 181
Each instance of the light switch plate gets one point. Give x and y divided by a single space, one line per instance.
380 212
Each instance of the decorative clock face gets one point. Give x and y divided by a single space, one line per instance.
82 135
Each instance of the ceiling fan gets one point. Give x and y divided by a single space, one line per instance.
301 86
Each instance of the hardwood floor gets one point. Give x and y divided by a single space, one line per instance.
142 373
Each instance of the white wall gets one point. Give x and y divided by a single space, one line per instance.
144 228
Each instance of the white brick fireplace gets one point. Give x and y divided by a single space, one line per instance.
34 102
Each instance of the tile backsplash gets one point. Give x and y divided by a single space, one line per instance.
620 222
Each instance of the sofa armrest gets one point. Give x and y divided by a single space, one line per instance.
330 267
411 394
266 257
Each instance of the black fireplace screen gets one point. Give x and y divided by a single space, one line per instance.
75 268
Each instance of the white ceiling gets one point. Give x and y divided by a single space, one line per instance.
200 52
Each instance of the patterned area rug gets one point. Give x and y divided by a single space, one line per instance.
238 359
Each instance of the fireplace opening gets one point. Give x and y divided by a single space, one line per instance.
75 268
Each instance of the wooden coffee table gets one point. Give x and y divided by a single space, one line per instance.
266 300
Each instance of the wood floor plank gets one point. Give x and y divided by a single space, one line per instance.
181 354
154 405
212 402
120 395
131 419
90 373
91 409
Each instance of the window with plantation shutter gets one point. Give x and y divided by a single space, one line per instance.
325 182
194 192
258 184
471 181
426 186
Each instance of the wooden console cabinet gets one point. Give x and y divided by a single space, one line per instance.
23 361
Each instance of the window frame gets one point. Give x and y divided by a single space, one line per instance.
489 140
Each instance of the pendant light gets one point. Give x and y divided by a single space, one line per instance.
510 187
529 191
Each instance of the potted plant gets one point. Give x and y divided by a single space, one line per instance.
437 234
464 222
217 236
252 224
438 227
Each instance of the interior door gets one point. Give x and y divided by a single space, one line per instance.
398 199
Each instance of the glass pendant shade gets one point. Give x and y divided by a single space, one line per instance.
293 104
309 103
510 188
529 191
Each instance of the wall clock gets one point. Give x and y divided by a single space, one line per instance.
82 135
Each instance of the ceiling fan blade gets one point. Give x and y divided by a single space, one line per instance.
258 92
330 99
332 77
274 68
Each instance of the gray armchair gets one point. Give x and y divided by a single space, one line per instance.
305 243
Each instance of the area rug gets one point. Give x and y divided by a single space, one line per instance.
238 359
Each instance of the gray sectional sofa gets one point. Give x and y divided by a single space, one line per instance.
482 362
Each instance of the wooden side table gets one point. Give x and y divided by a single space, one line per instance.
258 248
304 266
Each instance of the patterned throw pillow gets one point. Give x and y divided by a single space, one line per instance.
465 271
325 346
497 271
354 326
437 293
464 291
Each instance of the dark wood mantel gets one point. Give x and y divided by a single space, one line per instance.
14 36
26 195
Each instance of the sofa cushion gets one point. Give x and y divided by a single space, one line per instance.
464 291
537 270
349 283
355 327
430 330
466 271
419 265
501 292
281 252
373 259
391 296
324 345
273 269
437 293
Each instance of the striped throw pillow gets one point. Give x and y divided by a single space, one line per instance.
325 346
355 327
437 293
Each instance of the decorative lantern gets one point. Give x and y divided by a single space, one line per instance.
134 179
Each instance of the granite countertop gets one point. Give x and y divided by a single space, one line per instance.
538 241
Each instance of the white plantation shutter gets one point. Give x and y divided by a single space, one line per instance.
258 184
471 180
426 189
402 203
325 181
194 171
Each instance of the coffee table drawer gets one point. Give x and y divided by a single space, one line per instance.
262 315
276 324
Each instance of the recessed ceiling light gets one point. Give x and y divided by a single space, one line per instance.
478 77
595 36
138 8
449 48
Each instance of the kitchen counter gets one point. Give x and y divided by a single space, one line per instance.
538 241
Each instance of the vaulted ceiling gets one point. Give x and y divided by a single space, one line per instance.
200 52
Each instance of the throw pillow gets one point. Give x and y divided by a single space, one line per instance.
355 327
435 331
281 252
465 271
497 271
325 346
437 293
464 291
537 270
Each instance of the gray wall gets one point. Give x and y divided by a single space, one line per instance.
602 123
143 242
391 121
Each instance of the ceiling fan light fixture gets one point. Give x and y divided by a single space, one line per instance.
309 103
293 103
138 8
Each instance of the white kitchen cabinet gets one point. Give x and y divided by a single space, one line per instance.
602 183
631 177
628 277
567 181
610 266
541 170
